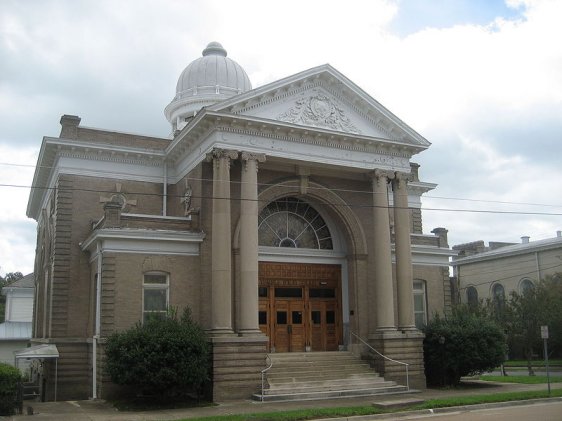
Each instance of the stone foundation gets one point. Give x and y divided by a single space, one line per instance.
403 346
237 365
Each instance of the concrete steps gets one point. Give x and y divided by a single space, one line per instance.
322 375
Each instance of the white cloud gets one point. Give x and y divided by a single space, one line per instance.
488 96
17 232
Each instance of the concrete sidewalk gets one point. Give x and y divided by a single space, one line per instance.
101 410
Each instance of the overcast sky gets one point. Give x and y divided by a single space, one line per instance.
480 79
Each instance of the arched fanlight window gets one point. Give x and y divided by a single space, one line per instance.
290 222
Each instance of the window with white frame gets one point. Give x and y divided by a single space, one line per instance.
420 304
155 295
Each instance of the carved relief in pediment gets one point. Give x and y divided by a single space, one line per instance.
319 110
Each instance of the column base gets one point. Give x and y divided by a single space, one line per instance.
386 329
250 332
404 346
237 365
220 332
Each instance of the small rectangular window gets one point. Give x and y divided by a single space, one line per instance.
420 306
262 317
322 293
296 317
262 292
288 292
281 317
330 317
315 316
155 296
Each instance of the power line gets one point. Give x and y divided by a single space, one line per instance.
351 205
342 190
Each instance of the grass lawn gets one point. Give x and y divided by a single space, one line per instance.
534 363
521 379
309 414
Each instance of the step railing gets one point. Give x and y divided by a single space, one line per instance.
385 357
265 370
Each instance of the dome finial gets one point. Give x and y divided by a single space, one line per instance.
214 48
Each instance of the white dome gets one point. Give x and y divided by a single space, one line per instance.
205 81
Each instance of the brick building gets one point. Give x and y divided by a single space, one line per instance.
286 217
495 271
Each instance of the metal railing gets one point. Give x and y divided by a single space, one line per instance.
267 357
385 357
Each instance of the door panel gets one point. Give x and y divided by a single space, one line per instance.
297 329
299 306
324 325
289 326
281 326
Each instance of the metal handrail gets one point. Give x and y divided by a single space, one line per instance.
267 357
385 357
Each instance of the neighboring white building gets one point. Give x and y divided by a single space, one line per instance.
496 270
15 332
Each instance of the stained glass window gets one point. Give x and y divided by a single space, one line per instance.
290 222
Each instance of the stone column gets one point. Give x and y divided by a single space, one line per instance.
221 261
404 274
248 307
382 252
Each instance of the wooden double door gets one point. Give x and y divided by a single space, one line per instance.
300 306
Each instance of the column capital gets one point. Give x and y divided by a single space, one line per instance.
249 156
218 153
381 177
401 179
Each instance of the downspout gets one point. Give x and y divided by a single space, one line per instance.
97 323
165 190
538 266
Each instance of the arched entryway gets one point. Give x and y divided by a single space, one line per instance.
300 297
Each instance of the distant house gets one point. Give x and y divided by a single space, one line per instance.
15 332
496 270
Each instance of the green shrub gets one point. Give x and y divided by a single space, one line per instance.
165 357
10 378
463 344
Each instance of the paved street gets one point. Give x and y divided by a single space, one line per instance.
102 411
548 411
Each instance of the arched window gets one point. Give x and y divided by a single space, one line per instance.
290 222
472 296
498 293
525 286
420 304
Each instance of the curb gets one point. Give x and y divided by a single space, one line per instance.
462 408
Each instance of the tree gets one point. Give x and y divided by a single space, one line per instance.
9 381
528 311
465 343
165 357
10 277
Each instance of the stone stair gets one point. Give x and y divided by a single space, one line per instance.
322 375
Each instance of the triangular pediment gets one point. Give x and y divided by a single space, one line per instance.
322 98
